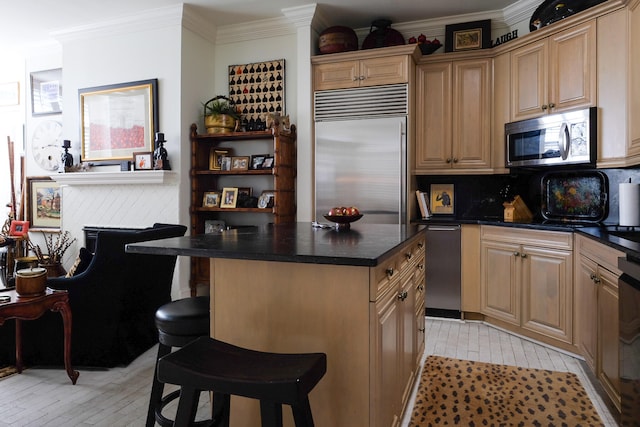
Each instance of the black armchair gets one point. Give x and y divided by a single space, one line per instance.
113 304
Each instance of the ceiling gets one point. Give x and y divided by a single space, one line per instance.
30 22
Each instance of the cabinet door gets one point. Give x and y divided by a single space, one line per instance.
572 76
547 284
384 71
529 80
608 327
471 108
499 282
336 75
501 110
386 370
586 302
433 116
406 301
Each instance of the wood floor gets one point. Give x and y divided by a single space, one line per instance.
119 396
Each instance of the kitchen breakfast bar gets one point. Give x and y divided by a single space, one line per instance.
356 295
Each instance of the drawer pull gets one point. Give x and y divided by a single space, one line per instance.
523 255
390 271
409 255
421 288
420 267
403 295
516 254
421 330
420 245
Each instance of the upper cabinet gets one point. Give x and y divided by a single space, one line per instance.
554 74
453 116
370 67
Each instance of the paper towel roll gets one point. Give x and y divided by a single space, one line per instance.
629 198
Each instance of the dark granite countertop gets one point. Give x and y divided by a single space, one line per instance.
362 245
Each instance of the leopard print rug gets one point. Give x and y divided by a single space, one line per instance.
462 392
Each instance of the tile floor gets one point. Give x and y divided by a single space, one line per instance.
119 396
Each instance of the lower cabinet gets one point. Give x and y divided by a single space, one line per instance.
398 333
597 312
526 281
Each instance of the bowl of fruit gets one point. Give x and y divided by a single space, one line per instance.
427 47
343 216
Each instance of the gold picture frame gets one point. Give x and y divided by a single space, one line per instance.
442 198
44 203
211 199
215 158
229 197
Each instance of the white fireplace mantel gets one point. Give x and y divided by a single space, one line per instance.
116 177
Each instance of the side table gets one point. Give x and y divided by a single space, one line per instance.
30 308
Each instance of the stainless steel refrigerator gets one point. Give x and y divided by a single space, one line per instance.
361 152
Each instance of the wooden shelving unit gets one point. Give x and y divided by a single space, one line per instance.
280 179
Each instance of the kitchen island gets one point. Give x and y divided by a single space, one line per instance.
356 295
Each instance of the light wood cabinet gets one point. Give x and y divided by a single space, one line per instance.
453 114
596 301
397 339
527 281
554 74
619 87
470 268
364 68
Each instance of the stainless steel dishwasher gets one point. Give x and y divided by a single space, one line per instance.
443 275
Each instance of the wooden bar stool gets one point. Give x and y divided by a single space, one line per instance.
273 378
179 322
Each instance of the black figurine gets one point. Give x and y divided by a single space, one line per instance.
67 158
160 160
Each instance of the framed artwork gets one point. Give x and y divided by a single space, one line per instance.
9 94
211 199
240 163
225 163
257 89
46 92
19 228
442 199
215 158
44 203
143 161
467 36
266 199
214 226
257 160
118 120
268 162
229 198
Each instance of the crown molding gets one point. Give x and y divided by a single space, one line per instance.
193 21
520 11
132 23
256 30
300 16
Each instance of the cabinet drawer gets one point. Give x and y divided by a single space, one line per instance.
600 253
523 236
409 257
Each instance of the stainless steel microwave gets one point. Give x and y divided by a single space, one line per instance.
553 140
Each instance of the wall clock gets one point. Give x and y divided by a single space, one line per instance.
46 145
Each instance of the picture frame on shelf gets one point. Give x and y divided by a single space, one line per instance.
44 203
467 36
225 163
211 199
245 191
19 228
143 161
214 226
265 200
118 120
215 158
229 197
240 163
267 163
442 199
257 160
46 92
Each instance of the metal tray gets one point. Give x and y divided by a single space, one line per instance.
575 196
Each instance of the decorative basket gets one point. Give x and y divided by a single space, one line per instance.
219 123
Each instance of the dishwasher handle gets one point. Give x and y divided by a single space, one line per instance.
443 227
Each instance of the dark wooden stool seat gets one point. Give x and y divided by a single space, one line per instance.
179 322
273 378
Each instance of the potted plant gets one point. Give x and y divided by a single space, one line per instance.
52 259
220 115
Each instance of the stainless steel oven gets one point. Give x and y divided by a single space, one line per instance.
563 139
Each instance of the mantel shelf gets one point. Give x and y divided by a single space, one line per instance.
115 177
